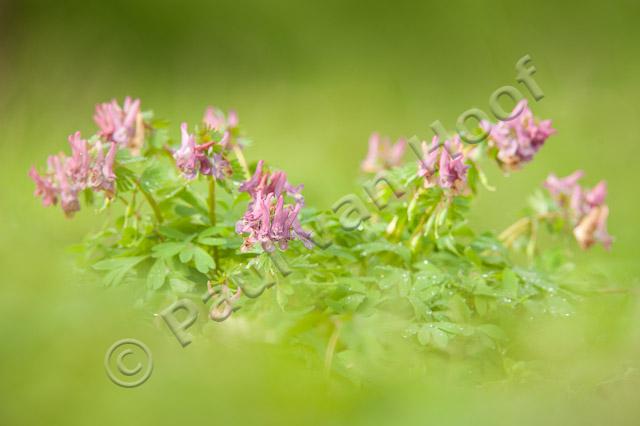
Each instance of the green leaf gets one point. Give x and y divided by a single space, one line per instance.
179 285
237 171
186 254
481 304
481 288
157 274
124 156
353 301
455 329
156 176
384 246
348 303
341 252
390 276
159 138
124 178
282 295
172 233
447 242
458 309
204 262
167 250
194 201
212 231
493 331
472 255
510 283
430 334
212 241
118 262
117 267
129 233
352 284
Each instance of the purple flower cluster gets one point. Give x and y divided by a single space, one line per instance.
518 139
268 219
122 125
382 154
443 165
585 208
89 166
193 159
66 177
215 119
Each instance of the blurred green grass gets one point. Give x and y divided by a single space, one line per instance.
310 81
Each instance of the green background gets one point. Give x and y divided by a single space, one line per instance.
310 81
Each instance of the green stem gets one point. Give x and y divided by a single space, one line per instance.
425 216
514 230
212 216
420 226
131 208
243 162
152 202
522 225
331 347
533 239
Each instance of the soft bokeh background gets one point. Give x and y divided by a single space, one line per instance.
310 81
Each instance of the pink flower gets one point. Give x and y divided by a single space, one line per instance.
78 164
66 177
220 167
251 186
232 119
186 156
559 187
444 165
567 192
518 140
577 207
190 158
593 228
382 154
216 120
266 182
428 164
68 192
120 125
45 188
102 176
453 172
268 220
586 209
596 196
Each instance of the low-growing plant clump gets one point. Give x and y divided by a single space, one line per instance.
195 217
